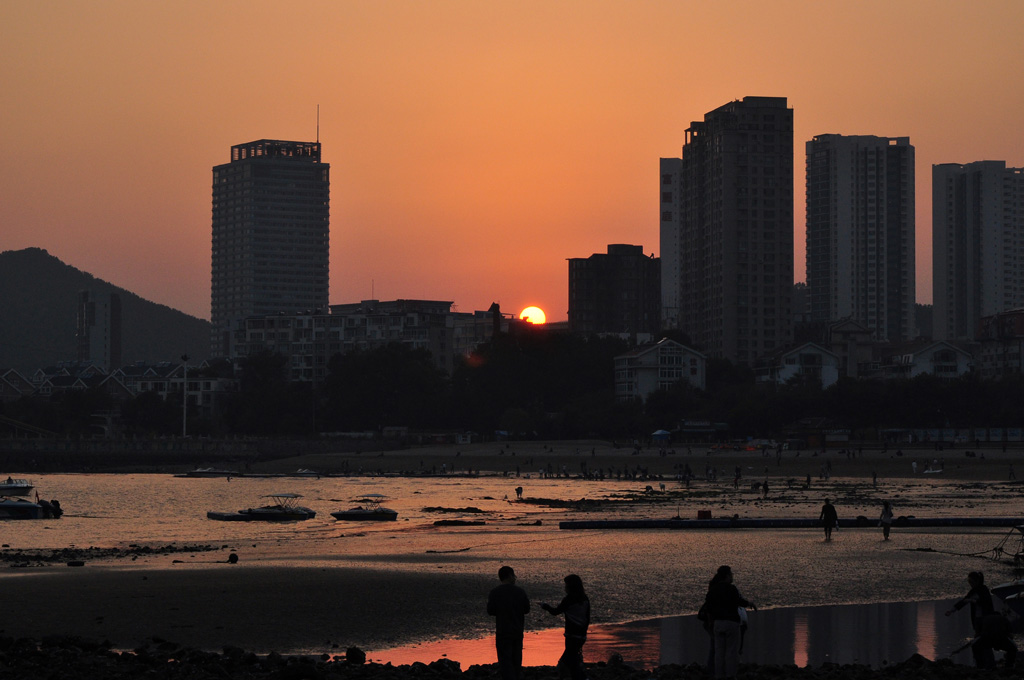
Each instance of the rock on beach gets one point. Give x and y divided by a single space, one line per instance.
72 658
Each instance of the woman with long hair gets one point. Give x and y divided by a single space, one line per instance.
576 608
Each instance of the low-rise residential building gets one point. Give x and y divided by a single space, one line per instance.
809 361
13 385
909 360
310 340
852 343
660 366
1001 345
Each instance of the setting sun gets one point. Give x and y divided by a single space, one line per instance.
534 315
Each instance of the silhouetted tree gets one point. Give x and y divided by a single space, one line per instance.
390 385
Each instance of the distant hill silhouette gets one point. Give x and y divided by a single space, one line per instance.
38 312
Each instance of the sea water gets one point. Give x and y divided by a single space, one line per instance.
871 634
642 581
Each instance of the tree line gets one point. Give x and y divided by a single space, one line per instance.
531 384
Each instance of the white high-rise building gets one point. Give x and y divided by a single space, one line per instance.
860 233
977 245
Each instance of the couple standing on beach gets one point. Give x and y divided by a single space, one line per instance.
509 604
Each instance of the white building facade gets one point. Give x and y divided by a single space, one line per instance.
655 367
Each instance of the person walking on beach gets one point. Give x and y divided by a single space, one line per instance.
886 519
575 606
508 604
722 606
829 518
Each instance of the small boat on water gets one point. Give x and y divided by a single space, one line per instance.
22 508
368 509
210 472
283 507
15 487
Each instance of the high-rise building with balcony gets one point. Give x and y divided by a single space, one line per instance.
977 245
860 233
727 230
271 236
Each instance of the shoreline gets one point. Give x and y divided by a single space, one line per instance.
82 659
384 587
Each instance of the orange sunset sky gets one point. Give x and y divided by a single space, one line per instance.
474 145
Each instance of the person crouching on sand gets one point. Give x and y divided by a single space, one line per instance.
576 608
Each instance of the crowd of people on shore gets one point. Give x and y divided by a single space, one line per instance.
723 615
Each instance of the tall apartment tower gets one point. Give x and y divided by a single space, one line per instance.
98 329
860 233
727 230
671 276
977 245
271 235
617 292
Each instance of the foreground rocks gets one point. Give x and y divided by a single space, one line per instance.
69 658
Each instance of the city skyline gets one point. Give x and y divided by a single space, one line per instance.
474 148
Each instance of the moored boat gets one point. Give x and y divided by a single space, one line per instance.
368 509
22 508
283 507
210 472
15 487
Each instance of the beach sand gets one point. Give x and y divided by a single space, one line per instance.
346 600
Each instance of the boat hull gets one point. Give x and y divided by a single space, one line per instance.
261 515
360 515
19 508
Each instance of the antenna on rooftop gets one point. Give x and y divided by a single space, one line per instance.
317 123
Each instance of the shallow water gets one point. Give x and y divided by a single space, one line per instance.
630 575
873 634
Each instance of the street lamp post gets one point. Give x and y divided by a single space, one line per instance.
184 396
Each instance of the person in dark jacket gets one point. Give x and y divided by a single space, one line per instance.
722 606
829 518
980 600
576 608
508 604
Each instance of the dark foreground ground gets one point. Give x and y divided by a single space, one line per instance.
67 658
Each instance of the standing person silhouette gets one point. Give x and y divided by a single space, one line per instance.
722 605
508 604
576 608
886 519
829 518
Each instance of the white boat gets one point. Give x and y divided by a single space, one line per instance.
283 507
368 509
15 487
